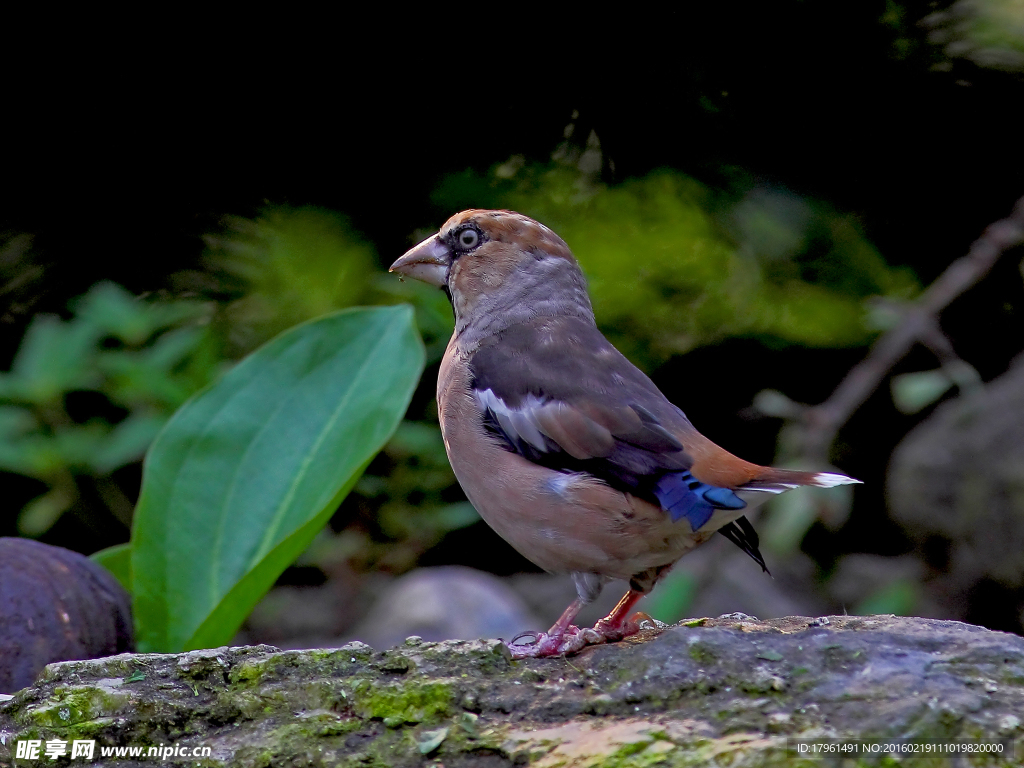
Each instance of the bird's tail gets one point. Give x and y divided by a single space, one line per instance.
774 480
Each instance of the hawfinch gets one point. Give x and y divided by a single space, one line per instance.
563 446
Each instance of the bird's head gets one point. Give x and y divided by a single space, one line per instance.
499 268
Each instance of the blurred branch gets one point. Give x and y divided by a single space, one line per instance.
919 323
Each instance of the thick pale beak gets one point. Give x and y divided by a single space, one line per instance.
428 261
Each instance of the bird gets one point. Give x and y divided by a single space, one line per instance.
564 447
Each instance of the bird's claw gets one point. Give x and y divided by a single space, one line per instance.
535 637
542 644
613 632
573 640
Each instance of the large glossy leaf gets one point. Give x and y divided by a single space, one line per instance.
912 392
246 473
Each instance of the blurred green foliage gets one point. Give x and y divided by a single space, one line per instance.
433 311
144 357
912 392
989 33
284 267
792 514
672 266
398 510
673 597
291 264
406 497
412 494
900 598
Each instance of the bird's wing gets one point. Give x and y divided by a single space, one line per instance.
558 393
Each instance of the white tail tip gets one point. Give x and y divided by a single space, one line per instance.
831 480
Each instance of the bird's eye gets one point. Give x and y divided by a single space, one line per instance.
468 238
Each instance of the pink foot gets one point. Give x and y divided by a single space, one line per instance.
536 645
615 631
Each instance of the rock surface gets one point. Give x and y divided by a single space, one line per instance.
726 691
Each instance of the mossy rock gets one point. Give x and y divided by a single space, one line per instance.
728 691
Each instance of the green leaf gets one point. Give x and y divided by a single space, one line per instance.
247 472
145 376
431 740
53 358
913 391
39 515
20 442
79 444
118 560
112 310
34 455
454 516
15 421
414 438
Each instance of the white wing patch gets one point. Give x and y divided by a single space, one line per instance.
549 426
514 421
